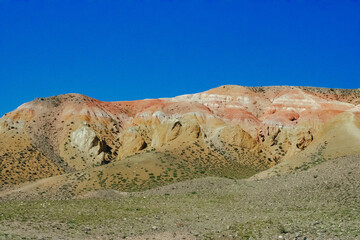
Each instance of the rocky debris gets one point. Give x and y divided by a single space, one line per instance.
293 206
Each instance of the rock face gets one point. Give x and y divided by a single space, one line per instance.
85 140
72 132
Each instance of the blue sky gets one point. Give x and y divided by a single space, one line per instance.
126 50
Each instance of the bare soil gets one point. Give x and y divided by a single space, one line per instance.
319 202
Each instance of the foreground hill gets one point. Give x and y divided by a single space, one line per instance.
80 144
322 202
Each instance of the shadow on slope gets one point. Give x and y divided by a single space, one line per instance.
135 173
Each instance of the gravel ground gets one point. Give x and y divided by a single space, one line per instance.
322 202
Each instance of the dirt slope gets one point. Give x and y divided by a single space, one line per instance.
229 131
337 138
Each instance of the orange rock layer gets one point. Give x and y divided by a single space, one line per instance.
75 131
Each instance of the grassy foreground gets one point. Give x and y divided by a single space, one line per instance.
322 202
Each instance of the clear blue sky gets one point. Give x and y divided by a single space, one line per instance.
126 50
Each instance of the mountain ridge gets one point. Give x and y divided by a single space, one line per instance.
249 129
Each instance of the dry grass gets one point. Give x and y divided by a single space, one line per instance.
321 202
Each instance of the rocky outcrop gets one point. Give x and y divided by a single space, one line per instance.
77 132
236 136
132 140
90 146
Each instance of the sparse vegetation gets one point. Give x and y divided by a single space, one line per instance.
207 208
316 158
166 177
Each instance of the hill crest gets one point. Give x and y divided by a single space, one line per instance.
250 128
